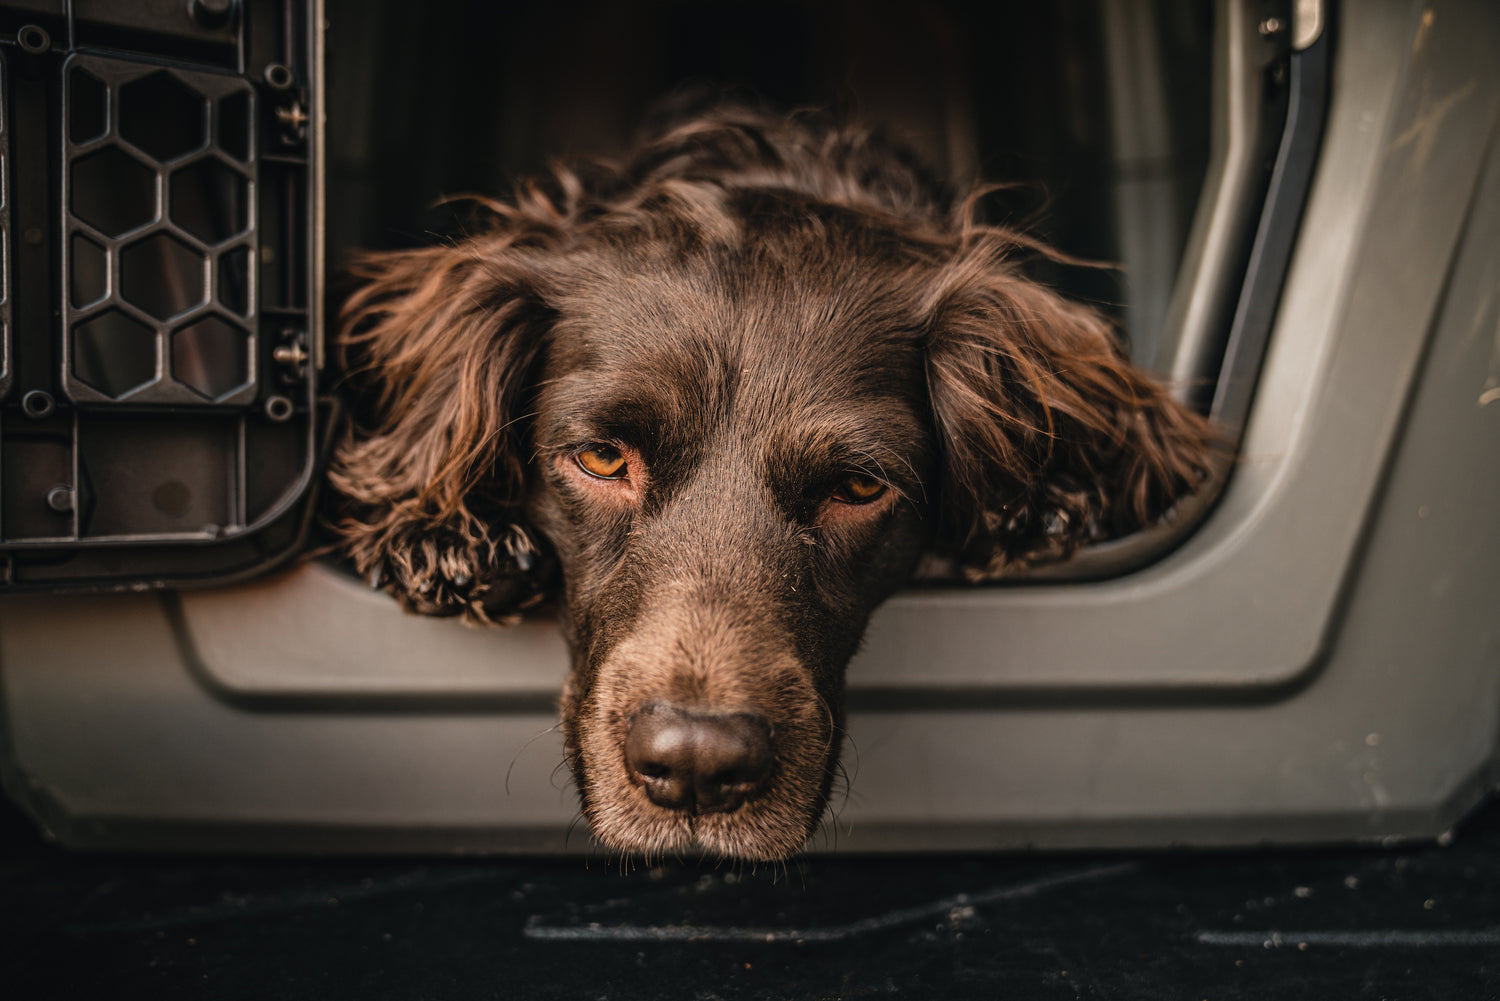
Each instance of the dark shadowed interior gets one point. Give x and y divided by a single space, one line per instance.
1098 114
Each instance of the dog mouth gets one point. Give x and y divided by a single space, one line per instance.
762 828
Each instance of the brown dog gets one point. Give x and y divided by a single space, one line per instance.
732 389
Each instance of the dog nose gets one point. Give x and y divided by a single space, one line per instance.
698 762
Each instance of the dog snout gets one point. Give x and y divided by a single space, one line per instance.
698 762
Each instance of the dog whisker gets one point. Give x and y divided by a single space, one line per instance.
568 834
522 750
569 781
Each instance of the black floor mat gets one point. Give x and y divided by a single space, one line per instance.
1414 923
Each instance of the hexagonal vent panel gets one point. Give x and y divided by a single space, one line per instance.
161 117
114 353
162 175
88 272
211 356
234 280
209 200
162 275
88 111
234 125
113 192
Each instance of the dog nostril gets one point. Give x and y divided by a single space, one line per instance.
696 762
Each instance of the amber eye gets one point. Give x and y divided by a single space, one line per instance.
857 488
602 461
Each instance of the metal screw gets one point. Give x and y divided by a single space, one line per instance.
293 121
1272 26
290 354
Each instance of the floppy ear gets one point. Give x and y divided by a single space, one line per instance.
432 489
1050 437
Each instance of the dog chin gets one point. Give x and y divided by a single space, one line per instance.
760 830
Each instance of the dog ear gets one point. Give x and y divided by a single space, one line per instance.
432 486
1051 438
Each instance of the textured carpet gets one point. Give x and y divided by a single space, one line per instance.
1414 923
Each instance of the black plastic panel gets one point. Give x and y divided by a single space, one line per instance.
159 422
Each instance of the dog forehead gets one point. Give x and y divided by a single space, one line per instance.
757 331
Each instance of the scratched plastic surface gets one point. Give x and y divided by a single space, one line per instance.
1414 923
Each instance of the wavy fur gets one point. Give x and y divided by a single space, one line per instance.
750 309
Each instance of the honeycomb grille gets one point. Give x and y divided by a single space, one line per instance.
159 191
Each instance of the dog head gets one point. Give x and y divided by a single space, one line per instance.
719 400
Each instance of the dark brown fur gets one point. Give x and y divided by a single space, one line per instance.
750 310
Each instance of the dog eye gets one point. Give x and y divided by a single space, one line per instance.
602 461
857 488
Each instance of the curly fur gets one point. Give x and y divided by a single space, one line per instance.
750 308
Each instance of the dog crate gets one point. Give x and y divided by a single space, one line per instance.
1305 201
